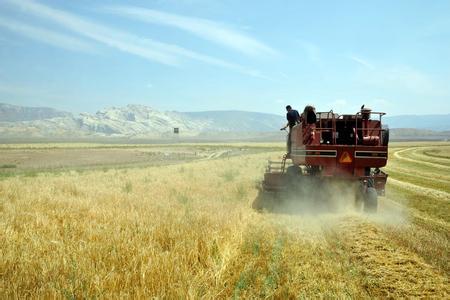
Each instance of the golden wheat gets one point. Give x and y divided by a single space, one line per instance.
188 231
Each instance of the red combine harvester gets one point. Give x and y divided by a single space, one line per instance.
344 149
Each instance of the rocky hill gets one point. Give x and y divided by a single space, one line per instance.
137 120
133 121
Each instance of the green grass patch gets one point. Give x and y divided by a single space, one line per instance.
128 188
8 166
418 168
420 157
433 207
437 154
427 182
229 175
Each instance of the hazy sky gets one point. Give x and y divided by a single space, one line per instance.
195 55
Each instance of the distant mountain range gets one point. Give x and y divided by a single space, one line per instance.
132 121
430 122
139 121
15 113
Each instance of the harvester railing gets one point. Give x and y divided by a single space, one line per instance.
358 116
380 130
327 129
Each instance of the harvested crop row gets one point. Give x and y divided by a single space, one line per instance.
400 155
422 154
429 192
426 178
389 270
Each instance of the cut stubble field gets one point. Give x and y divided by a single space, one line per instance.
133 228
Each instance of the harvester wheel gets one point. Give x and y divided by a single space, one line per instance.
293 171
371 200
359 197
385 137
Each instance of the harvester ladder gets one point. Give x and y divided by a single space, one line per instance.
277 166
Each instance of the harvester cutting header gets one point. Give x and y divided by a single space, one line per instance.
326 147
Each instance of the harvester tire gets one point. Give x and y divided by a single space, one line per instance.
293 171
292 176
359 197
385 137
371 200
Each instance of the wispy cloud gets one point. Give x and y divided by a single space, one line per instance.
152 50
47 36
407 79
11 92
284 75
3 40
382 103
209 30
113 38
312 50
362 61
351 106
338 105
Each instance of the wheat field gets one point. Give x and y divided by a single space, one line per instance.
188 230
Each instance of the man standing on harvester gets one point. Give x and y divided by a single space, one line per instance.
293 118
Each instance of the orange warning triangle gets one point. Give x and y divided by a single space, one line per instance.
345 158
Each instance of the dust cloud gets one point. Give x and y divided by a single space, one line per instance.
327 200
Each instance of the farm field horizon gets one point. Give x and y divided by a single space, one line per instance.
176 221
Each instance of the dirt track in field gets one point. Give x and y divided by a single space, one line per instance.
13 160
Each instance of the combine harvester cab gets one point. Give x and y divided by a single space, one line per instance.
345 150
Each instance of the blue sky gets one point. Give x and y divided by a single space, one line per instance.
197 55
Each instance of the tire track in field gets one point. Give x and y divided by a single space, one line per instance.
428 176
434 165
430 153
427 236
388 270
440 195
419 153
429 180
216 154
391 205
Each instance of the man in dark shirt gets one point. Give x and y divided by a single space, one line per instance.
293 118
